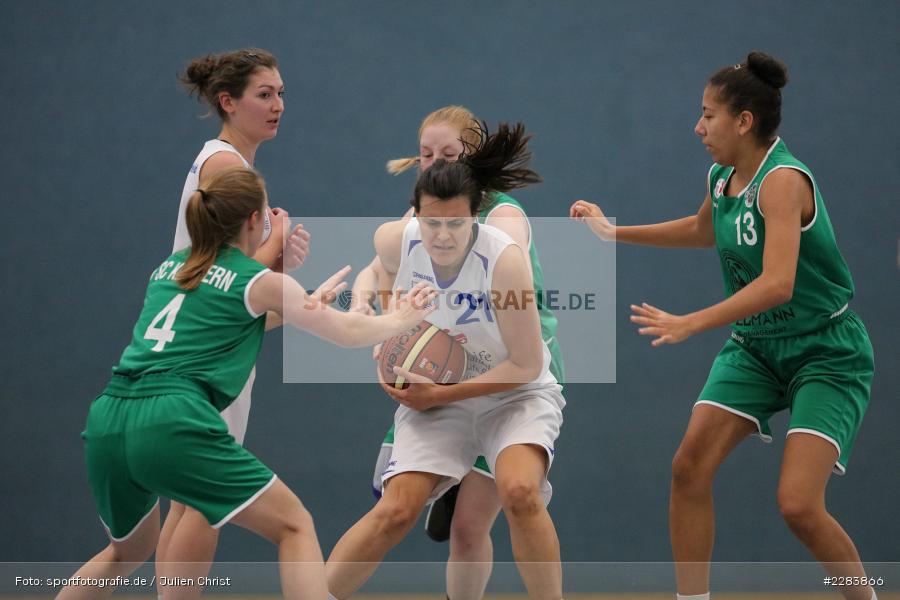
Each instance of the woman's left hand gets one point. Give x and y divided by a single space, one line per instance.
296 249
669 329
421 394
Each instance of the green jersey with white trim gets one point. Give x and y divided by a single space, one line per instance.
208 335
823 285
548 319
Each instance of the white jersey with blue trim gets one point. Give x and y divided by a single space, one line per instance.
465 309
192 182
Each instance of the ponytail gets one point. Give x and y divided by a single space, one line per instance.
399 165
215 215
499 161
494 162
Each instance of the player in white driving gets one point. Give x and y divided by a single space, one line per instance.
510 411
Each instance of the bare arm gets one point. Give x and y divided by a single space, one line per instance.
788 196
284 296
388 238
375 281
364 288
695 231
513 222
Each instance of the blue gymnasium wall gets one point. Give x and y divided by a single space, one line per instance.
97 137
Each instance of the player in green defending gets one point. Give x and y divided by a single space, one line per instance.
156 428
794 344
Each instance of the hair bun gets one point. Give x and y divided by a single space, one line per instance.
199 71
768 68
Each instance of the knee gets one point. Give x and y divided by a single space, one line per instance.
469 531
520 498
689 473
394 517
138 551
298 521
800 513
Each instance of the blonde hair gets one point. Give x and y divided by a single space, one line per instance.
215 215
455 116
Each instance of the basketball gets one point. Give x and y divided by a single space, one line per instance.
425 350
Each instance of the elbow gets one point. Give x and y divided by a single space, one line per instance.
782 292
532 369
706 239
348 340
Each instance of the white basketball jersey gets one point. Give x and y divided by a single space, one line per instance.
192 182
464 303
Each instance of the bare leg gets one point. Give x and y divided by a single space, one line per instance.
808 460
189 554
278 516
357 554
520 470
710 437
117 559
471 550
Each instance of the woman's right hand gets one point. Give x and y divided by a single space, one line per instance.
415 305
280 221
591 215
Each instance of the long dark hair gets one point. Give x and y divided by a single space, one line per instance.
495 162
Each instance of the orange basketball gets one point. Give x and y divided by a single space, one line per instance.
426 350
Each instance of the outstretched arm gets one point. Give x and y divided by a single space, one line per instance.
283 295
695 231
788 197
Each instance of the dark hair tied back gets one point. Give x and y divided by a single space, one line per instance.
208 76
755 86
494 162
499 161
769 69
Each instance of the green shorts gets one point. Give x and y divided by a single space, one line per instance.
173 445
824 378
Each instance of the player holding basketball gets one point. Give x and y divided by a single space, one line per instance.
156 430
510 413
245 89
794 345
466 513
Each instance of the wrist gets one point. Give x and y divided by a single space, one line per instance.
442 395
695 323
362 298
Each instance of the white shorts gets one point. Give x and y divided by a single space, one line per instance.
447 440
237 414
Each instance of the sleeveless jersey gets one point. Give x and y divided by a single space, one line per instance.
465 309
823 285
192 182
208 335
548 319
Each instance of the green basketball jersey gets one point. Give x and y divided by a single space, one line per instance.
548 319
208 335
823 285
